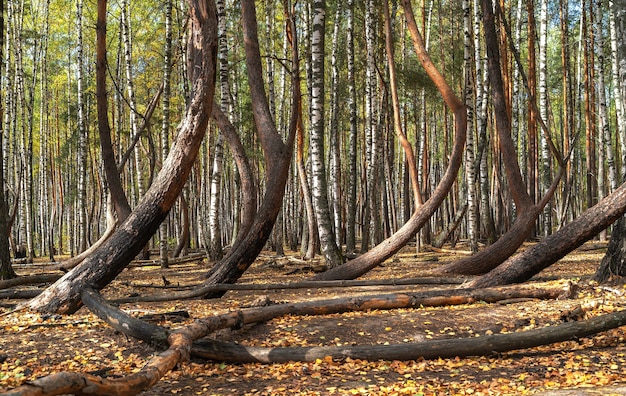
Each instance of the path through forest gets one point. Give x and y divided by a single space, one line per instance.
35 345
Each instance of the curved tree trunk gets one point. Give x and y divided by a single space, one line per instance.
534 259
391 245
507 244
277 157
118 196
311 222
113 256
248 187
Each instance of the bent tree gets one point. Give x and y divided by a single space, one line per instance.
528 211
531 261
277 154
391 245
130 237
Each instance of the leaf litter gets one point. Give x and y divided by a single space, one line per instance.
35 345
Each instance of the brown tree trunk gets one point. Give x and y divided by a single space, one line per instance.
183 240
120 203
277 156
534 259
131 236
248 187
527 211
311 222
391 245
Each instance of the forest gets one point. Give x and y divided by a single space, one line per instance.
448 152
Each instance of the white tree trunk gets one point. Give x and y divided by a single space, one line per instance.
544 176
470 170
618 89
352 139
331 252
165 123
82 136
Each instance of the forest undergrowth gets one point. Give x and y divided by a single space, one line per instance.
35 345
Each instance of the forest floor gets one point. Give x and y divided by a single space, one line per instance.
34 345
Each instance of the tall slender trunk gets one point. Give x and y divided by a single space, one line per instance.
482 95
26 100
165 122
81 202
532 140
545 175
603 119
44 133
130 90
470 169
335 138
328 244
352 139
310 240
6 270
590 149
618 89
371 128
404 142
568 113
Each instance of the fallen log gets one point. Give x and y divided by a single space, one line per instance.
221 287
120 320
19 294
236 319
28 280
183 341
449 348
173 260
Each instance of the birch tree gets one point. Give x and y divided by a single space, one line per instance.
215 249
543 111
82 153
614 261
6 270
470 169
165 123
334 176
352 137
328 244
606 141
370 203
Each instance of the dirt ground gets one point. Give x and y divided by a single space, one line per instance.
34 345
